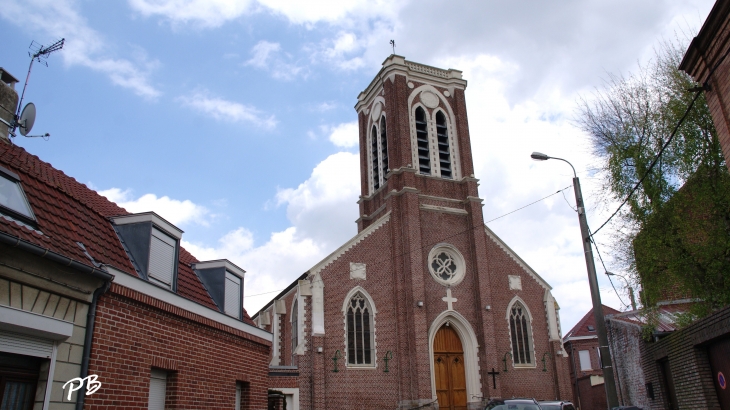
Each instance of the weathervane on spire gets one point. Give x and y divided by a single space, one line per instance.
392 43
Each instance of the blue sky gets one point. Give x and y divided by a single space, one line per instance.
234 119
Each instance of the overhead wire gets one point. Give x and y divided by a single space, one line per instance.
705 86
449 237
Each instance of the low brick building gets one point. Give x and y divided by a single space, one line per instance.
425 306
586 375
88 289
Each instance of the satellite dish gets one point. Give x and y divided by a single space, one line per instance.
27 119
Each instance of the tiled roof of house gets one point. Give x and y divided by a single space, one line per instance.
581 329
68 212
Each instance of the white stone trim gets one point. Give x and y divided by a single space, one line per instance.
530 336
317 305
276 334
496 239
458 259
345 304
157 220
551 314
33 324
470 345
167 296
294 392
431 127
443 209
221 263
349 244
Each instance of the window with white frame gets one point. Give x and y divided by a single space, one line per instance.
294 331
383 149
443 146
233 295
158 388
585 360
12 198
162 258
374 157
424 156
360 331
521 334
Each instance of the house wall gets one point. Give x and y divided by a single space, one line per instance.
690 368
626 341
584 394
41 287
705 53
204 359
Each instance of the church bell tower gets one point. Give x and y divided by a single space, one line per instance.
413 134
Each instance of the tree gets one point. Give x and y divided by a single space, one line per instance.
661 237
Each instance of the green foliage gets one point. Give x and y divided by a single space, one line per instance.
672 241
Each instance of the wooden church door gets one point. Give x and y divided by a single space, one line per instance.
448 365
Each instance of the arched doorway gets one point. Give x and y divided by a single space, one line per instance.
448 365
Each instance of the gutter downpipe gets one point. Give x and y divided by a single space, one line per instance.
95 272
90 319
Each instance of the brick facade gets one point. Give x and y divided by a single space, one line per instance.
204 359
400 223
686 353
707 51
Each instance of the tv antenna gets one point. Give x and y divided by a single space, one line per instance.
26 118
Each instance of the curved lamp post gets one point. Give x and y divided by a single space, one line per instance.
606 362
628 285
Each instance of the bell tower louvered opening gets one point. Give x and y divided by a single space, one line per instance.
424 161
443 145
374 155
383 149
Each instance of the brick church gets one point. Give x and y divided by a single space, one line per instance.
425 307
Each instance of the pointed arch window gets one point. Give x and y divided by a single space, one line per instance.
360 331
424 160
521 334
374 156
442 136
383 149
294 331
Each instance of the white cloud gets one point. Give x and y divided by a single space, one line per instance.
84 46
221 109
174 211
268 56
322 212
208 13
262 52
345 135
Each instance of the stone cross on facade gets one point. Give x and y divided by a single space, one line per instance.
449 299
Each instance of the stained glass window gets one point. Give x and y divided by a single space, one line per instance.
520 330
359 331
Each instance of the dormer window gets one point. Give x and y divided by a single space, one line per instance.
153 246
233 295
162 258
224 282
13 202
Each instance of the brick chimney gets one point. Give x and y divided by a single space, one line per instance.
8 101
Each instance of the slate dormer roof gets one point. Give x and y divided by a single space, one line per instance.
68 212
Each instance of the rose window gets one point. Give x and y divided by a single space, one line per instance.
446 264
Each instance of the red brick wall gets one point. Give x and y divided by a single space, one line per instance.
204 359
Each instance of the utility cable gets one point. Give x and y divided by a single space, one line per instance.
605 269
698 91
449 237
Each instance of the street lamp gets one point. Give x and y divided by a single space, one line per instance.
628 285
606 363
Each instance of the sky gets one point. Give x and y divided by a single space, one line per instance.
234 119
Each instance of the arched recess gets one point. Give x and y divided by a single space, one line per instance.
448 171
374 123
471 351
345 306
451 119
530 338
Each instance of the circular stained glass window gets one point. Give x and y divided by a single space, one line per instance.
446 264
